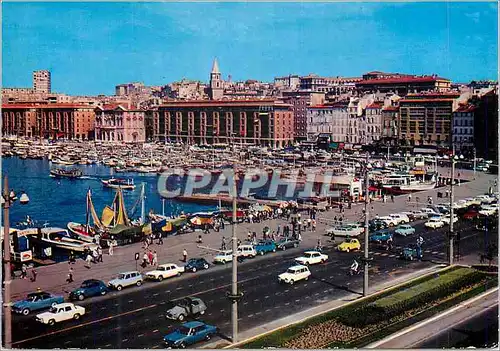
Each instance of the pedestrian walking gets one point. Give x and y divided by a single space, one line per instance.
384 199
24 271
110 249
88 260
150 257
278 230
200 240
33 274
95 256
335 220
145 260
99 254
184 255
409 197
392 197
155 258
70 276
223 244
160 238
72 258
313 225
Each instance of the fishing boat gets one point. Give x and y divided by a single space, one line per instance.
115 183
57 237
86 232
65 173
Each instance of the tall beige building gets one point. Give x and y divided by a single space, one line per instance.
41 81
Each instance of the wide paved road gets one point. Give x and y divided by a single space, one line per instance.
134 318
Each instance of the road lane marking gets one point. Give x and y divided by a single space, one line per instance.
140 335
286 304
221 311
130 301
124 340
314 282
179 288
103 308
245 303
107 345
85 324
266 297
255 300
156 294
155 331
257 313
267 310
250 315
297 300
68 342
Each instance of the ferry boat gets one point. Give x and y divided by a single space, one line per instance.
63 173
115 183
406 183
57 237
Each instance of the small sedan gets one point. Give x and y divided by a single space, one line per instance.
60 312
471 214
446 219
311 257
294 274
405 230
189 333
126 279
193 264
434 223
89 288
36 301
349 245
224 256
164 271
419 214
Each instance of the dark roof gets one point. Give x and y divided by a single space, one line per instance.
424 79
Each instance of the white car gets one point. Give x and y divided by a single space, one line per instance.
294 274
345 231
429 211
419 214
357 227
400 218
473 201
247 251
164 271
485 199
224 257
311 257
391 222
488 210
434 223
446 219
60 312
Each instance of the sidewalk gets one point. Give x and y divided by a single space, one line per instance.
53 278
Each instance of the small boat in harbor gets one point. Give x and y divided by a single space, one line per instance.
57 237
65 173
115 183
81 231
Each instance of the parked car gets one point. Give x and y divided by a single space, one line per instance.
89 288
473 201
193 264
265 246
487 210
410 215
190 333
294 274
376 224
388 220
443 209
357 227
247 251
311 257
485 199
126 279
287 244
61 312
405 230
417 214
187 307
429 211
224 256
36 301
349 245
165 271
434 223
399 218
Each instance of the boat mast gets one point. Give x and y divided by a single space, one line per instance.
143 207
88 210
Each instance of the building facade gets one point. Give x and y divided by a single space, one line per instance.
373 114
390 127
41 81
300 100
426 119
403 85
486 125
463 129
55 121
119 123
331 119
243 122
290 82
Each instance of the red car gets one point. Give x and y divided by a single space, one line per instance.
471 214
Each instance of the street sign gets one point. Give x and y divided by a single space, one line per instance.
136 256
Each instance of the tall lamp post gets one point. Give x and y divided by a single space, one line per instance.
451 234
234 296
366 258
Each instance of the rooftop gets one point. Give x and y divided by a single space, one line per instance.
422 79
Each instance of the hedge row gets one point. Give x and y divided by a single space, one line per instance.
399 302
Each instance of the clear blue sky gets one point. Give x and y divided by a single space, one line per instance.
91 47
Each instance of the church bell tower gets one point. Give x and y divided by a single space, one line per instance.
216 83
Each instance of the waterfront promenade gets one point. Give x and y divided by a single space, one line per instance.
53 278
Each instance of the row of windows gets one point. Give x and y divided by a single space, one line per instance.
463 122
463 131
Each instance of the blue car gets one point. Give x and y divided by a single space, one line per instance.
193 264
36 301
265 246
380 236
89 288
190 333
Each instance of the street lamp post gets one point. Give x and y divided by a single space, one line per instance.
7 273
451 233
366 259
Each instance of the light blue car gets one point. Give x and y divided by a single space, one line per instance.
126 279
405 230
36 301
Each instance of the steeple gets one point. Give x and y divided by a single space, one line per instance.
215 66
